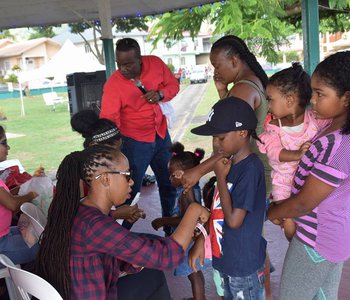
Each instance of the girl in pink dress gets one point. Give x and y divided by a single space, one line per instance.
287 137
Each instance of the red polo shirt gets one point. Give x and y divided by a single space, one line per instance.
123 104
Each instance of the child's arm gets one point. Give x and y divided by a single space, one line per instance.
197 252
310 196
190 177
170 221
234 217
13 203
293 155
184 231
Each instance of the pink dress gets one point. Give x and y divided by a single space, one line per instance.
5 215
275 139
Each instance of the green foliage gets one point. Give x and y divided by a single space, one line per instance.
42 31
171 67
12 78
6 34
16 68
290 56
264 25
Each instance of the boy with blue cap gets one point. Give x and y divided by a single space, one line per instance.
238 208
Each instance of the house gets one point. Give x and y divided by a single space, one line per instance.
27 55
5 42
181 54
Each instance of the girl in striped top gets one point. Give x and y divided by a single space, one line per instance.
320 200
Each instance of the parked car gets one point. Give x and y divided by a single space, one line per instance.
198 76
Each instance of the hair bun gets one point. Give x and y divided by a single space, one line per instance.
84 122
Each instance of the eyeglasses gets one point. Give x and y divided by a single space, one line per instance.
4 142
127 174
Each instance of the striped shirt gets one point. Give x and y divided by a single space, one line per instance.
327 227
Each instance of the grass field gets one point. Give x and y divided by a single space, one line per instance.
48 137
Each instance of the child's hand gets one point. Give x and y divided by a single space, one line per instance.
303 148
196 252
39 172
222 168
157 223
204 213
128 213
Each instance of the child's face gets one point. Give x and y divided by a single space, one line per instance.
277 102
173 167
325 102
229 143
4 147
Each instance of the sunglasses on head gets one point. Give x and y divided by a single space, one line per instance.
127 174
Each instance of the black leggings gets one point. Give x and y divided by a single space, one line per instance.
148 284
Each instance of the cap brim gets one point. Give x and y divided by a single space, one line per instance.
206 129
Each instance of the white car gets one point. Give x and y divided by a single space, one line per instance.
198 76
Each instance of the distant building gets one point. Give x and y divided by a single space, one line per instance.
27 55
181 54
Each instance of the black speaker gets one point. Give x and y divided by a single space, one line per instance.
85 91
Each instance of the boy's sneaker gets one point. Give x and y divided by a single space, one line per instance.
148 180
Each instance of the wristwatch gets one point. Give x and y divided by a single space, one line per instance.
161 95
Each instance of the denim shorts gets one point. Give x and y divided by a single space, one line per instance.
249 287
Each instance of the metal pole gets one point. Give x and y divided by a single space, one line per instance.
104 9
310 22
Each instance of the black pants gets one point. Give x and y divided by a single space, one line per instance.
148 284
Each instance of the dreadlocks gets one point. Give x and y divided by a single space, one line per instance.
53 258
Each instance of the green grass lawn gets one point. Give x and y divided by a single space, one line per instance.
48 136
192 141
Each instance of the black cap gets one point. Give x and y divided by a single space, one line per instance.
229 114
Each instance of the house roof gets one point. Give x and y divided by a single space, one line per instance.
5 42
17 49
23 13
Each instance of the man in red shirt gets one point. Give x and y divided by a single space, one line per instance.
130 99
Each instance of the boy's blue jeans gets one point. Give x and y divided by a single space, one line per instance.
157 155
250 287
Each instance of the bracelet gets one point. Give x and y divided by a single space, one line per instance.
201 228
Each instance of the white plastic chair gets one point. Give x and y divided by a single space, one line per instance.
12 291
36 216
29 283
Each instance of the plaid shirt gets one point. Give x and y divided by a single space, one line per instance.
100 247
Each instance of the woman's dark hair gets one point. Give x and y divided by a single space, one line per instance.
233 45
334 72
2 132
208 192
94 129
54 254
186 159
128 44
293 80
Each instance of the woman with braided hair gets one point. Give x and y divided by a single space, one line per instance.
83 250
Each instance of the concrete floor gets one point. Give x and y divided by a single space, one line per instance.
180 287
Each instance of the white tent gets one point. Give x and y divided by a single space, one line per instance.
69 59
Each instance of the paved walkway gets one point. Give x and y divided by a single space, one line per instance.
277 245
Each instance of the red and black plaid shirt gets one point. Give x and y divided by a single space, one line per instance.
100 247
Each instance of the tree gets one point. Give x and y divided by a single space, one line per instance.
264 25
42 31
121 25
6 34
